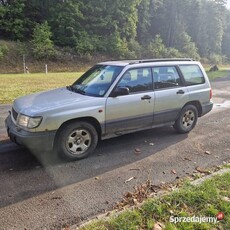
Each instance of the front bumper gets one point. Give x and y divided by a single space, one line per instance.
206 108
34 141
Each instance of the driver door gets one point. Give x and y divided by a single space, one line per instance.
135 110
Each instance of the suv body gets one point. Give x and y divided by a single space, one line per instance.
110 99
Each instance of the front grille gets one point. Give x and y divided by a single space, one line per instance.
15 114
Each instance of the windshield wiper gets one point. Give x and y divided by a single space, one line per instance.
70 87
79 91
76 90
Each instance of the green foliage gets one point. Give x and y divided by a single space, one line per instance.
185 45
156 48
3 50
12 19
215 59
135 49
226 37
123 28
42 44
64 19
127 221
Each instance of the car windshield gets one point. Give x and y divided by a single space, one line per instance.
96 81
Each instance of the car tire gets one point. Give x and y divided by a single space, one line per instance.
76 140
187 119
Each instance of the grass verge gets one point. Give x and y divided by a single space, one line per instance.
205 200
15 85
217 74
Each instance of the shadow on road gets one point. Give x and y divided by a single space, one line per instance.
22 176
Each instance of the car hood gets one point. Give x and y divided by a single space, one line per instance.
48 100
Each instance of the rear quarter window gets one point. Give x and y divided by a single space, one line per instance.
192 74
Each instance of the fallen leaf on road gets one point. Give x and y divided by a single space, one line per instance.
131 178
187 159
108 213
208 152
140 193
135 201
202 170
137 151
56 198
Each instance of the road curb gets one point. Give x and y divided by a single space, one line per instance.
201 180
114 213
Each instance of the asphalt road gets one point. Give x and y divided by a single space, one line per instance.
45 195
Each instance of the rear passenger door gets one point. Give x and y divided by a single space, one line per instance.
170 94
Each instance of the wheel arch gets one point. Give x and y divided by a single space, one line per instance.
91 120
197 105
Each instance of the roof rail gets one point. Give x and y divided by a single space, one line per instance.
161 60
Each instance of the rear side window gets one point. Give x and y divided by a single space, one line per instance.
166 77
192 74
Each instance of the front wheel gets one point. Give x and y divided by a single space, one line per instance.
187 119
76 140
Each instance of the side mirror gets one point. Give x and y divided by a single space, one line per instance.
120 91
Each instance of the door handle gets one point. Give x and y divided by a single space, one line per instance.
146 97
180 92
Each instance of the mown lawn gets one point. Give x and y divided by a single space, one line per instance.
15 85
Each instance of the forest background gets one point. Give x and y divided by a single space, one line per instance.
70 35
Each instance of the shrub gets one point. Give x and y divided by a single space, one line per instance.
3 51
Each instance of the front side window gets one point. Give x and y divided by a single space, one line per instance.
137 80
166 77
192 74
97 80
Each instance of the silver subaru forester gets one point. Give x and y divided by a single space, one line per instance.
112 98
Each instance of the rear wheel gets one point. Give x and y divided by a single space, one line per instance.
76 140
187 119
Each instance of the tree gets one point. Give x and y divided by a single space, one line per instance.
226 37
185 46
42 44
66 22
12 19
143 26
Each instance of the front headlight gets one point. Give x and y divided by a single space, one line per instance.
29 122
